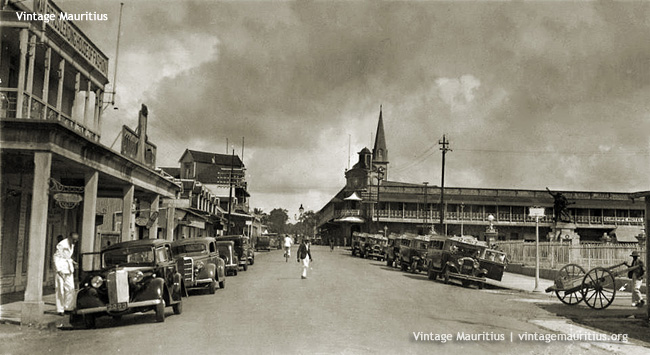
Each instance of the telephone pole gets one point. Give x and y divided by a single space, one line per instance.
444 147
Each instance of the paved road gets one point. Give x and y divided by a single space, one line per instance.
346 306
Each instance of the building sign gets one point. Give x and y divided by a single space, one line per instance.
72 35
535 212
130 141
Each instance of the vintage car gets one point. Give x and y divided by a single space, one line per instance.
375 247
359 241
199 262
128 277
263 243
226 250
412 257
464 259
243 249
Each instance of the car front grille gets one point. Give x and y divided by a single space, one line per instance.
117 283
188 270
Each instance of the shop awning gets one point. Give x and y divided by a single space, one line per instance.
627 234
350 219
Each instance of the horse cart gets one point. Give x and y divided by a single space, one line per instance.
597 287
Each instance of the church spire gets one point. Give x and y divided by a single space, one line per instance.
380 152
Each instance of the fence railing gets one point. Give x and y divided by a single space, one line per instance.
554 255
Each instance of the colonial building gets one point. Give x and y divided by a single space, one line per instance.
370 202
224 195
54 169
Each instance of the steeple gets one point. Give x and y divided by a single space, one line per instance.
380 152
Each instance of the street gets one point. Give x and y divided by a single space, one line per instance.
347 305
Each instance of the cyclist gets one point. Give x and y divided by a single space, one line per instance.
287 247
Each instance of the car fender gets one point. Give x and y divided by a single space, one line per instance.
451 266
208 272
154 289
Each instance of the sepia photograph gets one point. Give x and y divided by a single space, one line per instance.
324 177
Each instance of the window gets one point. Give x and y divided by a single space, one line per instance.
162 254
188 170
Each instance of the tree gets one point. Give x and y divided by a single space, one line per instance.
264 218
277 220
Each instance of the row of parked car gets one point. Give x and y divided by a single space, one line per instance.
449 258
151 274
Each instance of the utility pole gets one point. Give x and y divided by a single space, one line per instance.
444 147
425 227
232 163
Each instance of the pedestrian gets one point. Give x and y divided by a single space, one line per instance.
64 279
636 276
304 251
287 247
331 245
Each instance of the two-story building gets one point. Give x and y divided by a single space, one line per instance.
54 169
371 202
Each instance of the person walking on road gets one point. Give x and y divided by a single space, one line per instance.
331 245
304 251
637 280
64 279
287 247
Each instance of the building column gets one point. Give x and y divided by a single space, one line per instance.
171 214
31 52
46 80
87 104
127 211
155 208
33 306
89 213
22 68
59 90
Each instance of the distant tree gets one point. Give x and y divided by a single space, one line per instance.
264 218
277 220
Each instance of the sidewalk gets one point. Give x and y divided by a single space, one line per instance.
520 282
10 313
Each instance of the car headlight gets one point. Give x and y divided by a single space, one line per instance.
136 277
199 265
96 281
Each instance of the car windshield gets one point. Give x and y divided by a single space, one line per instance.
128 256
189 248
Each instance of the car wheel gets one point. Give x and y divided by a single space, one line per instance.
213 287
89 321
178 307
389 262
245 267
222 284
160 311
252 261
403 266
431 275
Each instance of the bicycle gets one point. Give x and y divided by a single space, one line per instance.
287 254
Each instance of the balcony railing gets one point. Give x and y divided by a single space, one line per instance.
8 109
501 217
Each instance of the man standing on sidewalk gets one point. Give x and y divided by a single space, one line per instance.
636 276
304 252
64 279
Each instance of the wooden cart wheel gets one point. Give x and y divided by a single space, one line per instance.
565 275
599 288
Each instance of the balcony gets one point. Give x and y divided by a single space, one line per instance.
36 109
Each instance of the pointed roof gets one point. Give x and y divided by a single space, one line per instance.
213 158
380 141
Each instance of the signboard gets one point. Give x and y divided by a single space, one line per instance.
72 35
130 141
176 203
535 212
152 219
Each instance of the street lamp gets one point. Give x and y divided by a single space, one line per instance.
301 210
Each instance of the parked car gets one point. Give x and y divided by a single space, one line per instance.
226 250
412 257
375 247
199 262
263 243
243 249
359 241
464 259
128 277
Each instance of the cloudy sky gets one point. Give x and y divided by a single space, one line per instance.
530 94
